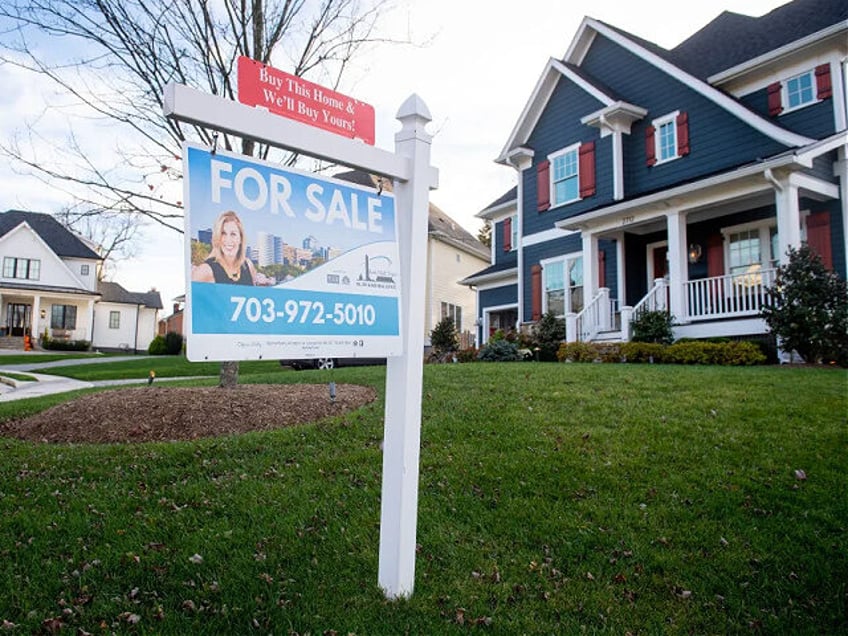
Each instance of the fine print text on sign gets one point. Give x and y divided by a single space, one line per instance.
285 264
304 101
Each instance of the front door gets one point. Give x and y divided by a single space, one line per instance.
17 318
660 262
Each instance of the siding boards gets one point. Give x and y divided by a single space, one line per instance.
559 127
719 140
502 257
506 295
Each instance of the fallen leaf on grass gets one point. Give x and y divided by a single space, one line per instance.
196 559
800 475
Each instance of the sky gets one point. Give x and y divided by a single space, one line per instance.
475 70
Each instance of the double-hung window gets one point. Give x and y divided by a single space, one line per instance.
751 248
563 285
666 137
454 312
565 175
114 320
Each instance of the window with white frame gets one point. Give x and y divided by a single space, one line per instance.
84 269
665 138
454 312
514 227
565 175
563 285
751 247
799 91
114 320
26 268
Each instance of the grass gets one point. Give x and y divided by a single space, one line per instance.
23 377
554 499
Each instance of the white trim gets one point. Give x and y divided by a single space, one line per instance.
497 212
563 260
649 260
763 228
497 284
545 236
542 92
562 152
784 92
670 118
494 309
729 104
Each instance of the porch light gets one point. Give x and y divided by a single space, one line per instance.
694 253
43 314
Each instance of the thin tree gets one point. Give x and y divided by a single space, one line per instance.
113 58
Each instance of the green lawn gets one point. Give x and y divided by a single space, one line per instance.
554 499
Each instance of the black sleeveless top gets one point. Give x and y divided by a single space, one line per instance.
221 276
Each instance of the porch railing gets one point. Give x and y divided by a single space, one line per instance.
729 296
655 300
597 316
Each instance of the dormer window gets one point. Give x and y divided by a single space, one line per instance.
799 91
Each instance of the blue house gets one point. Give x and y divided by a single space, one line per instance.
672 179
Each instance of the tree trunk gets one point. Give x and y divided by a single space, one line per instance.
229 375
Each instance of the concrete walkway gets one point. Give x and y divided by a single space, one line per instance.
11 389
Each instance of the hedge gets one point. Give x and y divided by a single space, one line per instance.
688 352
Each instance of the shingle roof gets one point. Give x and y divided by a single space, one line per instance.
732 39
57 237
114 293
509 196
439 224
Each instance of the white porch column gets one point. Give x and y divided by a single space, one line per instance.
840 170
621 270
678 272
788 216
90 308
590 266
36 317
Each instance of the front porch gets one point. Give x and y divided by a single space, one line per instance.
717 306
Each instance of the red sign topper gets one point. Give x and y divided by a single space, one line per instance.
295 98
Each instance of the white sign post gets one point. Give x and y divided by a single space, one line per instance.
413 177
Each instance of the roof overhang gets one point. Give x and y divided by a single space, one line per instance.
506 276
617 117
712 190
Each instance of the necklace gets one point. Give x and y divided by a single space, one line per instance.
234 276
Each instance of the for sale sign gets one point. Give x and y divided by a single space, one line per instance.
285 264
306 102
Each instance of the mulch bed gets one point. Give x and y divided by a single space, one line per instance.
148 414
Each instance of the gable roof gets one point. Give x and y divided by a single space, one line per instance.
58 238
664 60
439 224
731 38
114 293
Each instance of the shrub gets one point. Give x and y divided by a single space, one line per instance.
466 355
653 326
64 345
173 343
547 335
577 352
809 308
642 352
499 351
443 337
157 346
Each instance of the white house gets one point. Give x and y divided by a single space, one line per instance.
48 284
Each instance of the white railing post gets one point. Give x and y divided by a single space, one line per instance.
604 309
626 318
402 426
571 334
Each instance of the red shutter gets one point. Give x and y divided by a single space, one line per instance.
818 236
682 134
543 186
507 234
823 86
536 291
587 169
715 256
650 148
774 105
602 268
